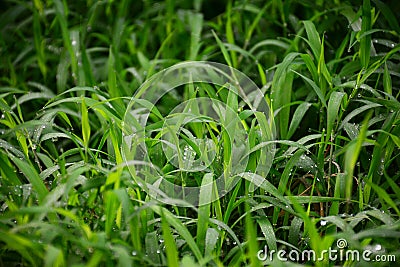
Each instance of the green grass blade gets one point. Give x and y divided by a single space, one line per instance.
196 25
281 92
229 33
85 124
334 103
223 49
314 86
387 81
351 157
298 115
384 196
365 42
180 228
54 257
33 177
170 245
206 194
313 38
268 232
251 237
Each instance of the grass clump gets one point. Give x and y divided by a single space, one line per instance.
321 161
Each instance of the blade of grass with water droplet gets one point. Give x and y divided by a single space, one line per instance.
384 196
313 38
351 157
212 236
297 118
111 206
251 238
205 198
170 245
281 91
33 177
180 228
334 103
314 86
268 232
387 81
294 230
365 42
196 25
152 249
85 124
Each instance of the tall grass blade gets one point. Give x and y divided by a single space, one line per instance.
365 42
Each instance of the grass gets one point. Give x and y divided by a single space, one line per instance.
82 162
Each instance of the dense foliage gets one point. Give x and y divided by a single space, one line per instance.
329 70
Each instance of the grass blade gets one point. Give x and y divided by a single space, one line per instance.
365 42
33 177
351 157
206 193
334 103
170 245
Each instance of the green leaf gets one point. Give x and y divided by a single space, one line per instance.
54 257
387 81
384 196
314 86
180 228
196 25
313 38
388 14
352 152
152 249
333 107
365 42
33 177
85 124
297 118
205 198
268 232
281 92
223 49
170 245
212 236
